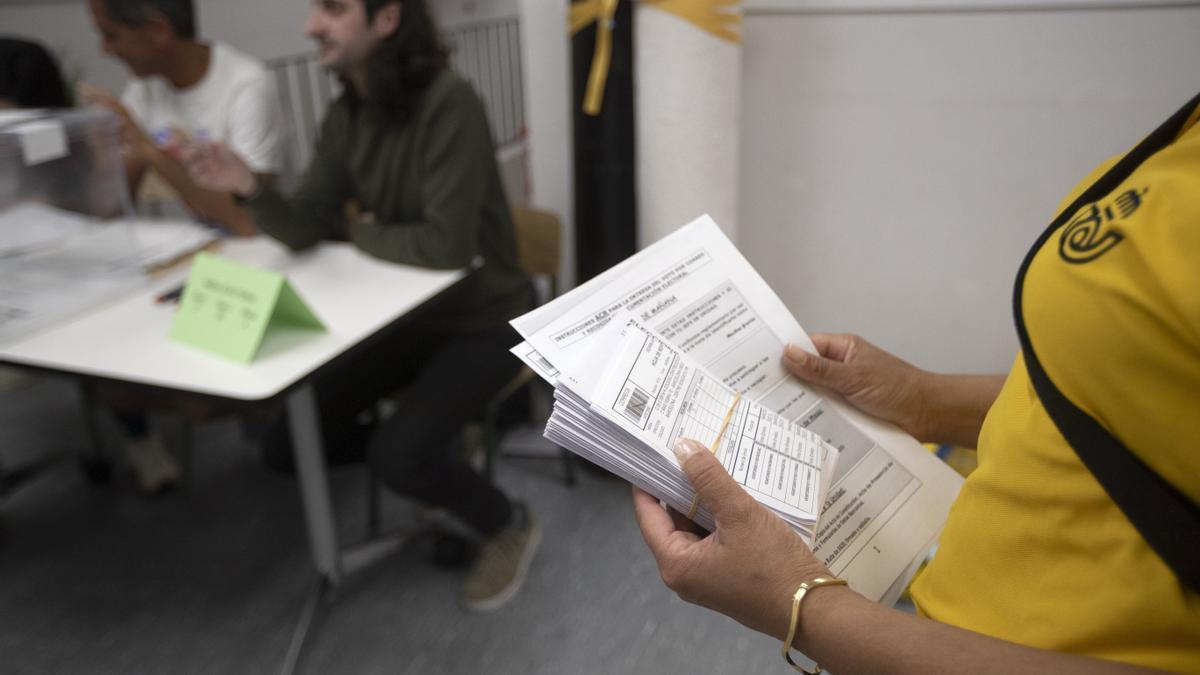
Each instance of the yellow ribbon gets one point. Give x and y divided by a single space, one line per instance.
601 12
718 17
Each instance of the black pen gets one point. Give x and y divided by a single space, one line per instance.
171 295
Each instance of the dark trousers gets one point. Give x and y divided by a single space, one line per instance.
443 379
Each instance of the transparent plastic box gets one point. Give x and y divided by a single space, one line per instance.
64 218
89 179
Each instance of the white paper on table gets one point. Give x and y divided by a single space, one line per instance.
35 296
78 264
160 241
8 118
889 495
32 229
29 226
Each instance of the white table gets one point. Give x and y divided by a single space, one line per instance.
356 296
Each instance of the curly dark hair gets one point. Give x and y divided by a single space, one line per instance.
406 62
29 75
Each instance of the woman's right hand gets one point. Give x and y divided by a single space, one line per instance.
747 568
869 378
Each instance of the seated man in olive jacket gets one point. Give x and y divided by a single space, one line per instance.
409 145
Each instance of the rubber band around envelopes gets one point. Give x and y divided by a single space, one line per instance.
715 445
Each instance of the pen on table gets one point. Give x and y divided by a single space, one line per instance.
171 295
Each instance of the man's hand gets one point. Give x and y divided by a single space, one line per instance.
213 166
136 143
869 378
748 568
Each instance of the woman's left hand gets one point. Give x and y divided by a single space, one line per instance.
748 568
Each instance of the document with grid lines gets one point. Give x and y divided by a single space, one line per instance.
650 395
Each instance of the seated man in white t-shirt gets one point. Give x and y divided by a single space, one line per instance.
187 89
184 89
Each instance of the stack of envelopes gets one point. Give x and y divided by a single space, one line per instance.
644 394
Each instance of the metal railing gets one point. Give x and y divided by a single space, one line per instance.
305 91
488 55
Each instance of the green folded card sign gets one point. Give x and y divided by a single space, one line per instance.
227 308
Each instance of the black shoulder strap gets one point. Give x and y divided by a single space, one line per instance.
1167 519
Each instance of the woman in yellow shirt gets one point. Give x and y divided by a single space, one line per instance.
1037 568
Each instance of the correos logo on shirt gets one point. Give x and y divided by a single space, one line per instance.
1094 232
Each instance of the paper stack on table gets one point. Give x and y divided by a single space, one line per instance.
31 226
641 395
693 295
55 264
38 235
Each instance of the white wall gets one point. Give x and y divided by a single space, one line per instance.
548 110
263 28
896 166
66 29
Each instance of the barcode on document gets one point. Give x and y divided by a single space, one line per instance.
635 407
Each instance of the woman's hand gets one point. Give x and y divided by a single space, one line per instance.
748 568
932 407
868 377
751 565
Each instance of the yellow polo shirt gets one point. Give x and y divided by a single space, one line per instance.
1034 550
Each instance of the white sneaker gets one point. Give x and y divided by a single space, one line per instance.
503 564
157 471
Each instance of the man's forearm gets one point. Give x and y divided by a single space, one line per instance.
135 171
298 222
217 207
847 633
954 407
422 244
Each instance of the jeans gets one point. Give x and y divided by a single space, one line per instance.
443 380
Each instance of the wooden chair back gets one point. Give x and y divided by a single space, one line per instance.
539 237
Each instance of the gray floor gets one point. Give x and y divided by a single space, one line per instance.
211 579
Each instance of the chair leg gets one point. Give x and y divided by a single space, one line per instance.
96 464
489 459
568 467
187 457
490 440
374 496
182 432
11 478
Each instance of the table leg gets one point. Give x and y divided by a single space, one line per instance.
97 466
314 482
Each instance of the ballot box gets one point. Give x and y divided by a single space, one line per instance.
69 239
68 160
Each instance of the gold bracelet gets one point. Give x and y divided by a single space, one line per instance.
800 593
